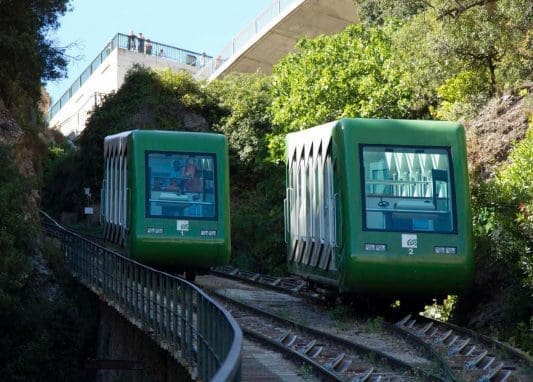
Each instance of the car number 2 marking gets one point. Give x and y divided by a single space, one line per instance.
411 251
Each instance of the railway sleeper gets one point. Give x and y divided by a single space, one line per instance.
458 348
318 350
283 337
470 350
363 377
487 363
492 372
335 362
424 329
474 362
307 348
503 375
442 338
452 341
404 320
458 361
344 366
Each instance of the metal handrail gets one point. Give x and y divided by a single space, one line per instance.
196 330
120 40
247 34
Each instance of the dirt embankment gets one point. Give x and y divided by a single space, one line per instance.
491 135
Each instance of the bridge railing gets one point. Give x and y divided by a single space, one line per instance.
247 34
197 331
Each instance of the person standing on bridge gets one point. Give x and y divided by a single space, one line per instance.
141 43
148 47
202 60
131 41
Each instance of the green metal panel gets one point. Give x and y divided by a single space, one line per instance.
173 247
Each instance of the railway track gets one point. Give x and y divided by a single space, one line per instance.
462 354
292 285
473 357
332 358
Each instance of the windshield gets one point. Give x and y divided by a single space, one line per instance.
407 189
180 185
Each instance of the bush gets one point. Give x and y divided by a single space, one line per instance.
16 229
503 228
257 185
461 96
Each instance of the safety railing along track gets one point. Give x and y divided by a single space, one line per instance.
179 316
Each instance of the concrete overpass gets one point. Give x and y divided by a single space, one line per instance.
275 31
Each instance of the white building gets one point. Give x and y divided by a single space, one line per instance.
106 74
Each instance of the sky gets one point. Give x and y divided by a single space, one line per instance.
196 25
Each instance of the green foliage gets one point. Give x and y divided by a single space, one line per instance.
42 339
305 371
464 53
28 55
347 74
442 311
375 324
377 12
257 185
49 335
61 183
245 99
15 231
505 217
257 219
503 227
461 96
341 312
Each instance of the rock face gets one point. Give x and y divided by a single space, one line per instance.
497 127
10 131
12 135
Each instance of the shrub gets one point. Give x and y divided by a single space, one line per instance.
503 228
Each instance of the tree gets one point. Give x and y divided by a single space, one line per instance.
377 12
503 228
348 74
459 54
245 100
257 185
28 55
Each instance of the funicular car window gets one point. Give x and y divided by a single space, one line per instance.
181 185
407 189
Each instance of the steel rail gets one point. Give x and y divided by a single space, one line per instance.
292 285
335 367
473 355
448 367
272 283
